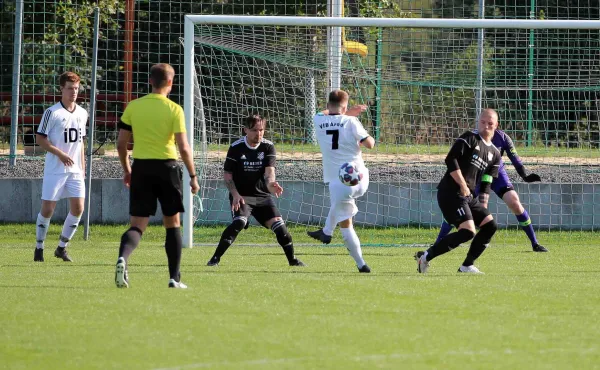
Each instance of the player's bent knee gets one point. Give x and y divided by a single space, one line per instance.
347 223
77 212
76 206
239 223
272 221
487 219
501 193
467 225
487 231
464 235
48 207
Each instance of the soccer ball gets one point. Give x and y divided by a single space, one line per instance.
349 174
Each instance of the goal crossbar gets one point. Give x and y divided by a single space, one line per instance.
391 22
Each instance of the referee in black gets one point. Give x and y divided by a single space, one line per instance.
249 174
471 159
158 126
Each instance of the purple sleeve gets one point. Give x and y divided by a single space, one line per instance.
511 152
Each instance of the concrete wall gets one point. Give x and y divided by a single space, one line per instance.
20 201
564 206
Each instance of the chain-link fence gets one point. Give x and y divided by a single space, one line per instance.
56 36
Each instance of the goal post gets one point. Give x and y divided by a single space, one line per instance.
429 95
188 108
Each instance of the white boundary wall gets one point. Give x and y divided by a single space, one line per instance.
568 206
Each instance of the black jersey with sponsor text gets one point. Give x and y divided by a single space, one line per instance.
247 164
475 158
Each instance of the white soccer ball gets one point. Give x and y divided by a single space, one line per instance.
349 174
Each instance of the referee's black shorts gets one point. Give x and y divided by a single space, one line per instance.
457 209
152 180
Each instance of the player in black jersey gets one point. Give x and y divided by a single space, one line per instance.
471 159
249 174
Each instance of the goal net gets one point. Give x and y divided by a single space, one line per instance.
424 81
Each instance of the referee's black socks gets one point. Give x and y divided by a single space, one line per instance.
480 242
284 239
449 242
129 241
173 245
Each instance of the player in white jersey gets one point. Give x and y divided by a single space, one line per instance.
61 133
340 136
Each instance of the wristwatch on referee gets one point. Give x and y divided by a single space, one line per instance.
192 176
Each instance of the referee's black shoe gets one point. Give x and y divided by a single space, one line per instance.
320 235
214 261
539 248
297 262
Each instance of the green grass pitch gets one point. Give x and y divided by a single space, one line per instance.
529 311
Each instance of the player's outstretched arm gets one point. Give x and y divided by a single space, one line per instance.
186 156
272 184
511 151
45 144
356 110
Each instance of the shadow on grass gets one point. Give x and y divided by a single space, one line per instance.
301 253
61 265
62 287
212 270
341 253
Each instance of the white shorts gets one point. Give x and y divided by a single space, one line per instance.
343 197
64 185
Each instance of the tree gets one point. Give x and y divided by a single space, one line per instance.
58 36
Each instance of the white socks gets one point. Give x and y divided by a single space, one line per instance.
68 230
41 229
353 245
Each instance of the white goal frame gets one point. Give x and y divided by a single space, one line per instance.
191 20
